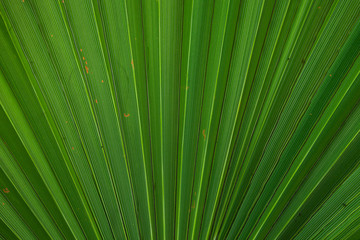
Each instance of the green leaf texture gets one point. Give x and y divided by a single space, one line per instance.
180 119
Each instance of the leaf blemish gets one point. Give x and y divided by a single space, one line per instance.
6 190
126 115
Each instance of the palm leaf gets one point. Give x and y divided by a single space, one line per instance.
182 119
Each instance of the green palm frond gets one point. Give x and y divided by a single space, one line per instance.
180 119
